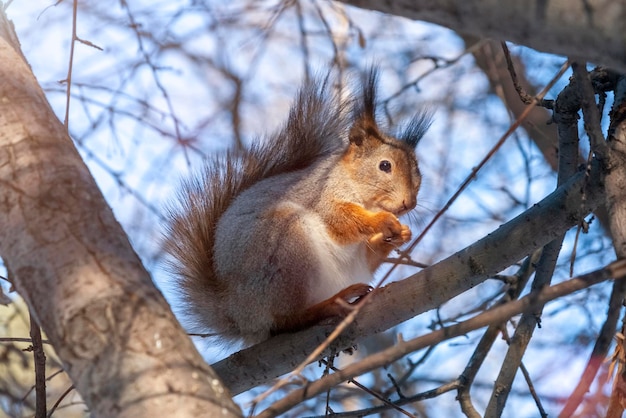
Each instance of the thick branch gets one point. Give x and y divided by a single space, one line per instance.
74 266
429 288
616 176
591 29
605 337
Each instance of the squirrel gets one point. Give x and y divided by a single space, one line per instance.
266 240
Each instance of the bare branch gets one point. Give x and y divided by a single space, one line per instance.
531 386
490 59
70 66
528 303
388 404
429 394
525 97
60 399
488 338
20 340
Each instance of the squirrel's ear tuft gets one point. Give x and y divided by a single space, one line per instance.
412 132
364 126
369 85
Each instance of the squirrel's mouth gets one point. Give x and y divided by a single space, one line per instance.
398 211
394 205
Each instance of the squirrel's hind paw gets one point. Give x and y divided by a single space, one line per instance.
354 293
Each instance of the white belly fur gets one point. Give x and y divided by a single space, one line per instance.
341 265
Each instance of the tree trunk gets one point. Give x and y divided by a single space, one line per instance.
616 203
71 261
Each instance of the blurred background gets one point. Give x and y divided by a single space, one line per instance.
157 86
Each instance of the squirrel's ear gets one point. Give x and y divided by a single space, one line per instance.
363 129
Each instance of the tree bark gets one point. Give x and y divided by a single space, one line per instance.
593 29
616 203
71 261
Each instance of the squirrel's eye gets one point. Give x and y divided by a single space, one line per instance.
385 166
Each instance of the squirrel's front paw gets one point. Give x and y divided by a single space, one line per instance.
391 230
405 235
379 239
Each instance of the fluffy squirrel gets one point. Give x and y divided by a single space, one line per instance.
266 240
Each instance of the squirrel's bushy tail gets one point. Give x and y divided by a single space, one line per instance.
316 127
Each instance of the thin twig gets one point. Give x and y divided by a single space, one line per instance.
328 29
40 368
406 262
533 392
58 402
412 366
20 340
378 396
304 47
603 341
70 67
154 69
429 394
525 97
438 63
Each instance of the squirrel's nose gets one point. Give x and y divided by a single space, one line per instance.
409 203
